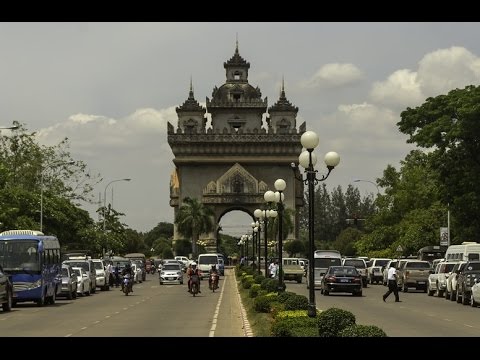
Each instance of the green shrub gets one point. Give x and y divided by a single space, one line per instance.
296 302
276 307
262 303
262 292
283 296
247 278
295 326
254 289
247 284
362 331
259 279
334 320
271 285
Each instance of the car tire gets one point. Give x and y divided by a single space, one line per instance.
7 306
473 303
429 292
70 295
325 293
405 288
464 298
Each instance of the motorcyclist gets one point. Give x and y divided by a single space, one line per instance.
128 270
213 270
193 271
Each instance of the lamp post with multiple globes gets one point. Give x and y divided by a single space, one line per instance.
307 160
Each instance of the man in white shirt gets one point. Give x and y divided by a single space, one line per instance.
392 283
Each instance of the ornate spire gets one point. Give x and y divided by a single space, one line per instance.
236 60
283 104
190 104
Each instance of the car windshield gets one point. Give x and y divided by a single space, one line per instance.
207 260
324 263
171 267
360 264
417 265
77 272
64 272
473 266
381 262
82 264
344 271
98 265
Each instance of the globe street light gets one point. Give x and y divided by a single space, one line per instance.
41 185
105 198
371 182
269 197
307 160
280 185
258 214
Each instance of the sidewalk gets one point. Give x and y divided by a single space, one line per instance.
231 320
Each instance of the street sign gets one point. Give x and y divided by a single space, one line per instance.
399 249
444 236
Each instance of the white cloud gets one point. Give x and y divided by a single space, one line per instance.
334 75
400 89
438 72
446 69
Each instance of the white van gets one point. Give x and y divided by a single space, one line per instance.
465 252
322 260
205 262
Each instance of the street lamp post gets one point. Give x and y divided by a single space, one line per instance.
14 127
280 185
105 199
41 186
269 197
307 160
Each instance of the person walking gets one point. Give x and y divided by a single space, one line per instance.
392 283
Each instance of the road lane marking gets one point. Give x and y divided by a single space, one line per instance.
468 325
68 335
217 309
84 328
447 319
96 322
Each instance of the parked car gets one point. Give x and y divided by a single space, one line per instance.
341 279
465 281
374 271
6 291
89 268
475 295
415 274
360 265
451 290
437 282
171 273
102 276
69 282
84 283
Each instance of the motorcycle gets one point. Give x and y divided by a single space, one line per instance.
213 281
195 283
126 284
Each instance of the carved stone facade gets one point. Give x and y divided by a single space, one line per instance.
231 164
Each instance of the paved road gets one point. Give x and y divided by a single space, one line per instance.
152 310
416 315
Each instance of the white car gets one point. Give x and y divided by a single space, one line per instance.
102 276
475 296
83 281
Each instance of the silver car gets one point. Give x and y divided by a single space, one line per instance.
171 273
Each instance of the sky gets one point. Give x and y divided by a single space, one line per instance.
111 88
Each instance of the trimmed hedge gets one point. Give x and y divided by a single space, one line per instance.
334 320
262 303
259 279
296 302
362 331
283 296
295 327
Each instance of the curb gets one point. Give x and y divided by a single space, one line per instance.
247 330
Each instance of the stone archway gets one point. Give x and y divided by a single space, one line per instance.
231 164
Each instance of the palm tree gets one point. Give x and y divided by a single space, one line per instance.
193 219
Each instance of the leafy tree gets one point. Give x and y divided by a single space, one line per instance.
448 125
162 230
345 241
294 247
194 219
183 247
167 254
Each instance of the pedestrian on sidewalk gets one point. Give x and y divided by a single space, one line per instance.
392 283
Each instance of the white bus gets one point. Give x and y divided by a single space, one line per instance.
465 252
323 259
